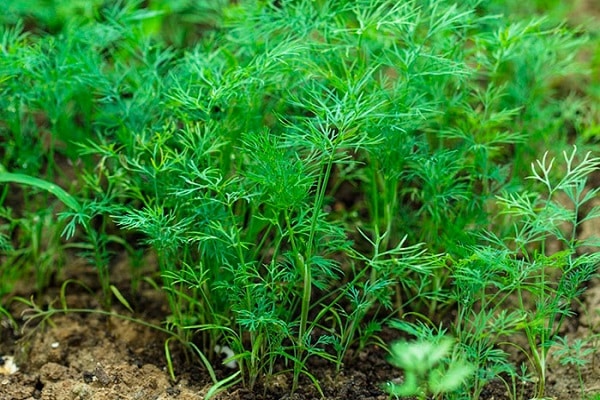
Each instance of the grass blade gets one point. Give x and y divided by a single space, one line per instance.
61 194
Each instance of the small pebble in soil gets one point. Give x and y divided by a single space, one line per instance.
226 353
88 377
101 374
81 391
171 391
7 365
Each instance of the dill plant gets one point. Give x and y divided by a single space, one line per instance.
544 219
427 369
224 150
515 284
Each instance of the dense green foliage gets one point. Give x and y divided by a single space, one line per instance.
305 172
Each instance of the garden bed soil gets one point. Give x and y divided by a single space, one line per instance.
98 357
93 356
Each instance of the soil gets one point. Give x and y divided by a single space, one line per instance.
92 356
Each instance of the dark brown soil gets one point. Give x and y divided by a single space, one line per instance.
92 356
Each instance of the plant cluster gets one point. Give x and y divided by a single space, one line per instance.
224 135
